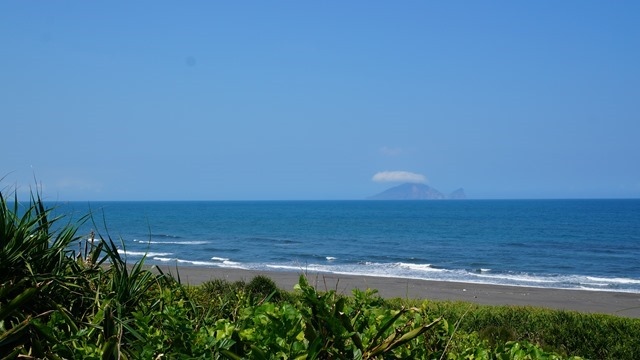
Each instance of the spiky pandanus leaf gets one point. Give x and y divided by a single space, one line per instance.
19 301
15 335
31 245
37 271
397 339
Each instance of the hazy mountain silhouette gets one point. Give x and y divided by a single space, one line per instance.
411 191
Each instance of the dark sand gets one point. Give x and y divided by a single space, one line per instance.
620 304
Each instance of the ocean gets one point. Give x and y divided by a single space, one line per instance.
565 244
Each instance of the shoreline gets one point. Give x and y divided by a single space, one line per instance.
587 301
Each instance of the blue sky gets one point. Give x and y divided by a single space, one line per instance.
256 100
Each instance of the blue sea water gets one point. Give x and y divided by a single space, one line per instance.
570 244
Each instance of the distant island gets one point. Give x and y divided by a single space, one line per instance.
412 191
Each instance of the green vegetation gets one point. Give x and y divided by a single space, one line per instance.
56 303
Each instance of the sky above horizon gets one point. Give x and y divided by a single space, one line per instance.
283 100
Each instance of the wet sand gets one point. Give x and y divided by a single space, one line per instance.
620 304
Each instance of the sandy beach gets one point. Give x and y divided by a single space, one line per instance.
620 304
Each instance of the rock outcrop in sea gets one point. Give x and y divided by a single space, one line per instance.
458 195
411 191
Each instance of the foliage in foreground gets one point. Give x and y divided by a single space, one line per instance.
592 336
56 303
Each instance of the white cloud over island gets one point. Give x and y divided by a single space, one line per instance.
399 176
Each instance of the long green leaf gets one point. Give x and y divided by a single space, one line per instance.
15 334
230 354
20 300
109 350
392 341
387 325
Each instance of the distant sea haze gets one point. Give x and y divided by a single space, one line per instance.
568 244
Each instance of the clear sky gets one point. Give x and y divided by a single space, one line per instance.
258 100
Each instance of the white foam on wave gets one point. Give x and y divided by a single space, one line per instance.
187 242
613 280
296 268
595 284
235 265
226 263
142 253
357 270
419 267
479 276
581 282
330 258
517 278
366 269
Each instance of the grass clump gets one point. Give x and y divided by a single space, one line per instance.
592 336
263 288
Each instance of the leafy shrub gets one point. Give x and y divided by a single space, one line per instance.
221 287
263 288
498 334
592 336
